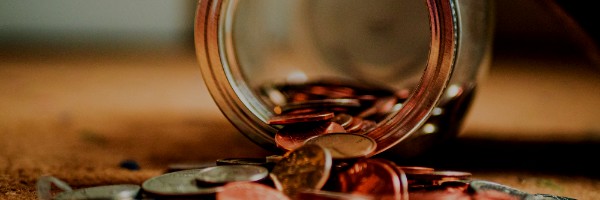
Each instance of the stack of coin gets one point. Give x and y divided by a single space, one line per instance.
303 111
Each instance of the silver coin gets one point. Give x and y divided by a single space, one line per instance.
481 186
345 145
180 183
222 174
124 191
189 165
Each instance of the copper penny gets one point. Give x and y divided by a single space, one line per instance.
375 177
345 145
382 106
249 191
332 91
321 103
293 136
416 169
343 119
355 126
306 167
367 126
297 118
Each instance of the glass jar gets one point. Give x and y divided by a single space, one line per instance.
429 54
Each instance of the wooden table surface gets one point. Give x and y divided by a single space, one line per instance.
77 114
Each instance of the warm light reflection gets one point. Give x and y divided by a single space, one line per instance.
436 111
429 128
297 77
453 91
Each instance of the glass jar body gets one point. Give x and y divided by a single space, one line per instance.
244 45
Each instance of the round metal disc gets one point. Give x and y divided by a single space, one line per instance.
306 167
223 174
345 145
124 191
180 183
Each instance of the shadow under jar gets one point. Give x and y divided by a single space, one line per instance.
412 66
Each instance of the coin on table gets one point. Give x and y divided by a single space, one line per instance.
180 183
246 161
274 158
376 177
189 165
293 136
328 195
222 174
306 167
438 177
123 191
345 145
249 191
487 188
416 169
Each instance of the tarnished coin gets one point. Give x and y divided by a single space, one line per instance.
297 118
375 177
180 183
343 119
124 191
220 175
293 136
306 167
328 195
246 161
332 91
345 145
416 169
322 103
486 188
356 125
249 191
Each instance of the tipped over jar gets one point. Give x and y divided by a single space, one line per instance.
403 73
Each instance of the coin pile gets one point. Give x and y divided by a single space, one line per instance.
310 109
307 172
324 129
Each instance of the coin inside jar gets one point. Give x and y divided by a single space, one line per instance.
297 118
123 191
345 145
293 136
220 175
307 167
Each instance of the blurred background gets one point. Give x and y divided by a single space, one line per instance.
119 79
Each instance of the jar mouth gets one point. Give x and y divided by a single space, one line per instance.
217 44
